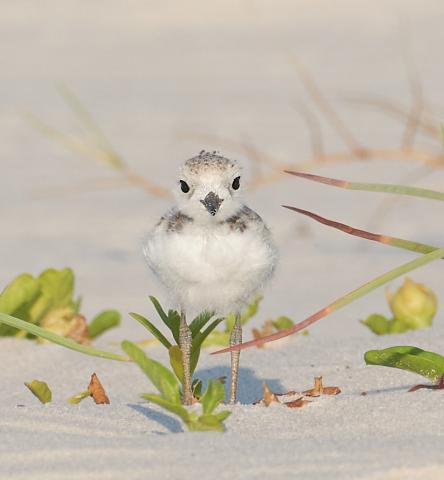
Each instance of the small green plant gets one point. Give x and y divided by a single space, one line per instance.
428 364
199 328
413 307
48 301
169 396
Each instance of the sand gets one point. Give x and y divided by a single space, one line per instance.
155 75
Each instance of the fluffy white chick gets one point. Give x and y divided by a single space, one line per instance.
210 251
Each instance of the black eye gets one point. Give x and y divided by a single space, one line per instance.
236 183
184 186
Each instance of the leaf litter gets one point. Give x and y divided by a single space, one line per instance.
95 390
269 397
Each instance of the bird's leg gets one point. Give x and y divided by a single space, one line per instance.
235 338
185 346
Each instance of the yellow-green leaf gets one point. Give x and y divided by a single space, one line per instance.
40 390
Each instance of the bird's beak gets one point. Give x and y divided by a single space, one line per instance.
212 203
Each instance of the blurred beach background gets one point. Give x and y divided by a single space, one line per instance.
164 80
347 89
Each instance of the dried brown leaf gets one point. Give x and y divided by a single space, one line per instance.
266 329
269 397
298 403
79 330
97 391
319 389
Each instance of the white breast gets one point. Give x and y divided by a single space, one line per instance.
217 270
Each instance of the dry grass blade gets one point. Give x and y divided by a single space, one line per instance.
330 114
343 301
71 142
84 116
314 129
376 237
373 187
426 126
96 146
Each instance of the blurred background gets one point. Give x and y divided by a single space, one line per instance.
349 89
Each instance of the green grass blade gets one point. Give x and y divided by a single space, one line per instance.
343 301
373 187
375 237
59 340
412 359
152 329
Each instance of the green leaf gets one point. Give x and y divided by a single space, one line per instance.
172 407
22 290
164 317
199 322
217 338
152 329
412 359
52 337
174 320
249 312
162 378
380 325
75 399
57 289
206 423
282 323
176 361
221 416
40 390
377 324
196 388
77 305
16 298
398 326
213 396
197 343
103 322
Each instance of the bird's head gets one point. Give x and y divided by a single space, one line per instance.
208 187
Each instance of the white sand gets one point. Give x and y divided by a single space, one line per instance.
151 73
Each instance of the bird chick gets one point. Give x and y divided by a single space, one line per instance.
210 251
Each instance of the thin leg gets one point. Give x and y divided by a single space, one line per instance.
235 338
185 346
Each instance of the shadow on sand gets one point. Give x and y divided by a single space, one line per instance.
249 390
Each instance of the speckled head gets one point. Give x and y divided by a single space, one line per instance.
208 187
